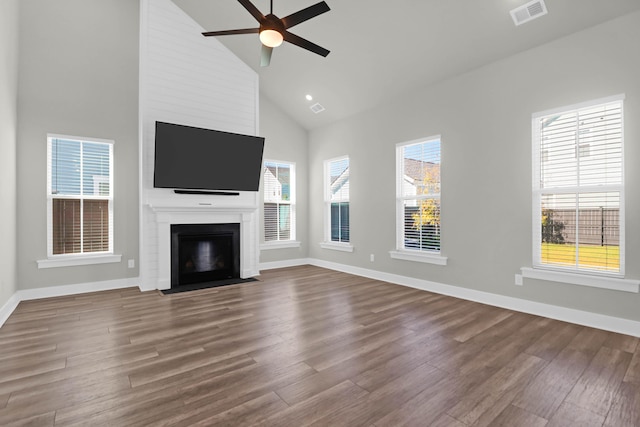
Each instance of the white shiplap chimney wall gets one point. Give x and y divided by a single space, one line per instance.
188 79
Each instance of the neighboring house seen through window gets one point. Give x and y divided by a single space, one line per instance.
337 199
279 201
79 196
418 195
578 188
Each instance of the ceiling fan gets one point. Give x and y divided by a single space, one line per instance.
273 30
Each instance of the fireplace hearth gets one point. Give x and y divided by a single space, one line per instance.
204 254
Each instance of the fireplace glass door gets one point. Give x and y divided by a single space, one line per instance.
203 253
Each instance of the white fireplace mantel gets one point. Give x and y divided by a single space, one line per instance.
205 213
167 211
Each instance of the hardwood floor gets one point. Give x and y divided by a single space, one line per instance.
308 346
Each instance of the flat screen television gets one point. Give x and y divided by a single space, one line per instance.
191 158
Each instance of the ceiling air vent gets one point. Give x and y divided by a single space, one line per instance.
525 13
317 108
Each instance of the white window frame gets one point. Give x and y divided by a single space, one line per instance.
281 243
82 258
401 252
328 243
574 275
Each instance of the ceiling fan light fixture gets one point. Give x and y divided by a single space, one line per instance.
271 38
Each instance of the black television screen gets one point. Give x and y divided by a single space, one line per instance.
193 158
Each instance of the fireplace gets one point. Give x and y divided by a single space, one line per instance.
204 253
156 266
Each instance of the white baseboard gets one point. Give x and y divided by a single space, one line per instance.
584 318
8 307
64 290
284 264
80 288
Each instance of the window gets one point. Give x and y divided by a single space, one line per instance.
578 188
80 196
279 201
337 200
418 196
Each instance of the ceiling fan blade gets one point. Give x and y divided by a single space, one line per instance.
231 32
305 44
265 56
305 14
252 10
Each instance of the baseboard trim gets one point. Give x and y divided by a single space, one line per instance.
579 317
79 288
8 308
64 290
284 264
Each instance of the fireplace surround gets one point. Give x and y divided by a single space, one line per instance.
240 210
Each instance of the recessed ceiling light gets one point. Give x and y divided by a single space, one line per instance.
309 97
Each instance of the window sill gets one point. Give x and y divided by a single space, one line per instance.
594 281
337 246
70 261
282 244
428 258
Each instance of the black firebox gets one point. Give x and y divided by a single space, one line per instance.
204 253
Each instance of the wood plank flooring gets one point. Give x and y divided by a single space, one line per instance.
307 346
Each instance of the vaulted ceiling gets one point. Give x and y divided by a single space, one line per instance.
382 48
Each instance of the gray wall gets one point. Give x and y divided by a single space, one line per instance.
78 76
285 140
8 124
484 118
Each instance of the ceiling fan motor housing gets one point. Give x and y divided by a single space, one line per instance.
272 22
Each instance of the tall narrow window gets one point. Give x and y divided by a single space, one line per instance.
279 201
337 200
80 196
418 195
578 188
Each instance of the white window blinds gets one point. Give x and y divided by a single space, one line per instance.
337 199
578 188
80 196
418 195
279 201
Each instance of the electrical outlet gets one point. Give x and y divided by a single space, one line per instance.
131 263
519 279
372 258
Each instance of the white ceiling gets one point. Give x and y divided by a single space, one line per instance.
381 48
